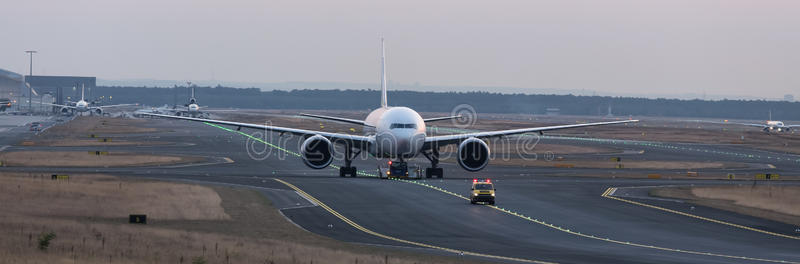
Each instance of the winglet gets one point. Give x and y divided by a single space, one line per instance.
384 104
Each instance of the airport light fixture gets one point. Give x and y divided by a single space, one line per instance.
30 89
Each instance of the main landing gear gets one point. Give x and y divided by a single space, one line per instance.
434 170
347 170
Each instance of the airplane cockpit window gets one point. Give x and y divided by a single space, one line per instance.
399 125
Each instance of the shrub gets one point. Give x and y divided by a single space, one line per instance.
44 239
199 260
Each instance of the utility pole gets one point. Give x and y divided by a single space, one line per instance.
30 88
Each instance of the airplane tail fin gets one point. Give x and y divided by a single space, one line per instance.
384 104
83 87
770 115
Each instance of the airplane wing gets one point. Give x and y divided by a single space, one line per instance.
728 123
205 108
361 142
339 119
116 105
67 106
793 126
453 139
746 124
433 119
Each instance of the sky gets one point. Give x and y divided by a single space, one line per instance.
727 47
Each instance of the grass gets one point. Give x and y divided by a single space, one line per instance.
106 197
78 131
186 224
86 125
84 159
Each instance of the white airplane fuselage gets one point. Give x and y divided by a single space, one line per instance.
778 126
82 106
399 132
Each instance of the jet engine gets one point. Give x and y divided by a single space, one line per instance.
317 152
98 111
473 154
64 110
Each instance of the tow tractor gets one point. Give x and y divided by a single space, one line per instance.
398 169
482 191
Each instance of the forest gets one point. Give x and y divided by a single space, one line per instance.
483 102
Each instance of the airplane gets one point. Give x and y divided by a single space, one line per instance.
192 108
394 133
83 106
769 126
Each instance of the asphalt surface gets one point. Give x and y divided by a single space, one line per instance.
542 214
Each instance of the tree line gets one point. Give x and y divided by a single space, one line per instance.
483 102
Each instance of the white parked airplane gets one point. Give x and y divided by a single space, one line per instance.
83 106
395 133
769 126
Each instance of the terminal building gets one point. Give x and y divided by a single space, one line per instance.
62 88
47 89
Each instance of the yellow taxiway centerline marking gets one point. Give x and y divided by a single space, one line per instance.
368 231
606 195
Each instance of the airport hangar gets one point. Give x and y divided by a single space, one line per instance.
11 84
12 87
62 87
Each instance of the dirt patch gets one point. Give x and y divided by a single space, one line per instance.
774 202
250 230
86 159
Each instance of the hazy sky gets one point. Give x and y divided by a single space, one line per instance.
638 46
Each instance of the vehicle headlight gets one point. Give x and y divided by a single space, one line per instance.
492 194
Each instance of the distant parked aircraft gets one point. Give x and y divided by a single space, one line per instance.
83 106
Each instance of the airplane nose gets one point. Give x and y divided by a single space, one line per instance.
410 143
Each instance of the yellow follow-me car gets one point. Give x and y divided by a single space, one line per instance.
482 191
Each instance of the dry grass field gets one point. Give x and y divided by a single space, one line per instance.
775 202
186 224
85 159
75 142
85 125
78 132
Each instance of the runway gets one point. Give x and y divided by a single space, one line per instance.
542 214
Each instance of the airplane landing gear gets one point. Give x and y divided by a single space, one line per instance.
434 170
347 170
